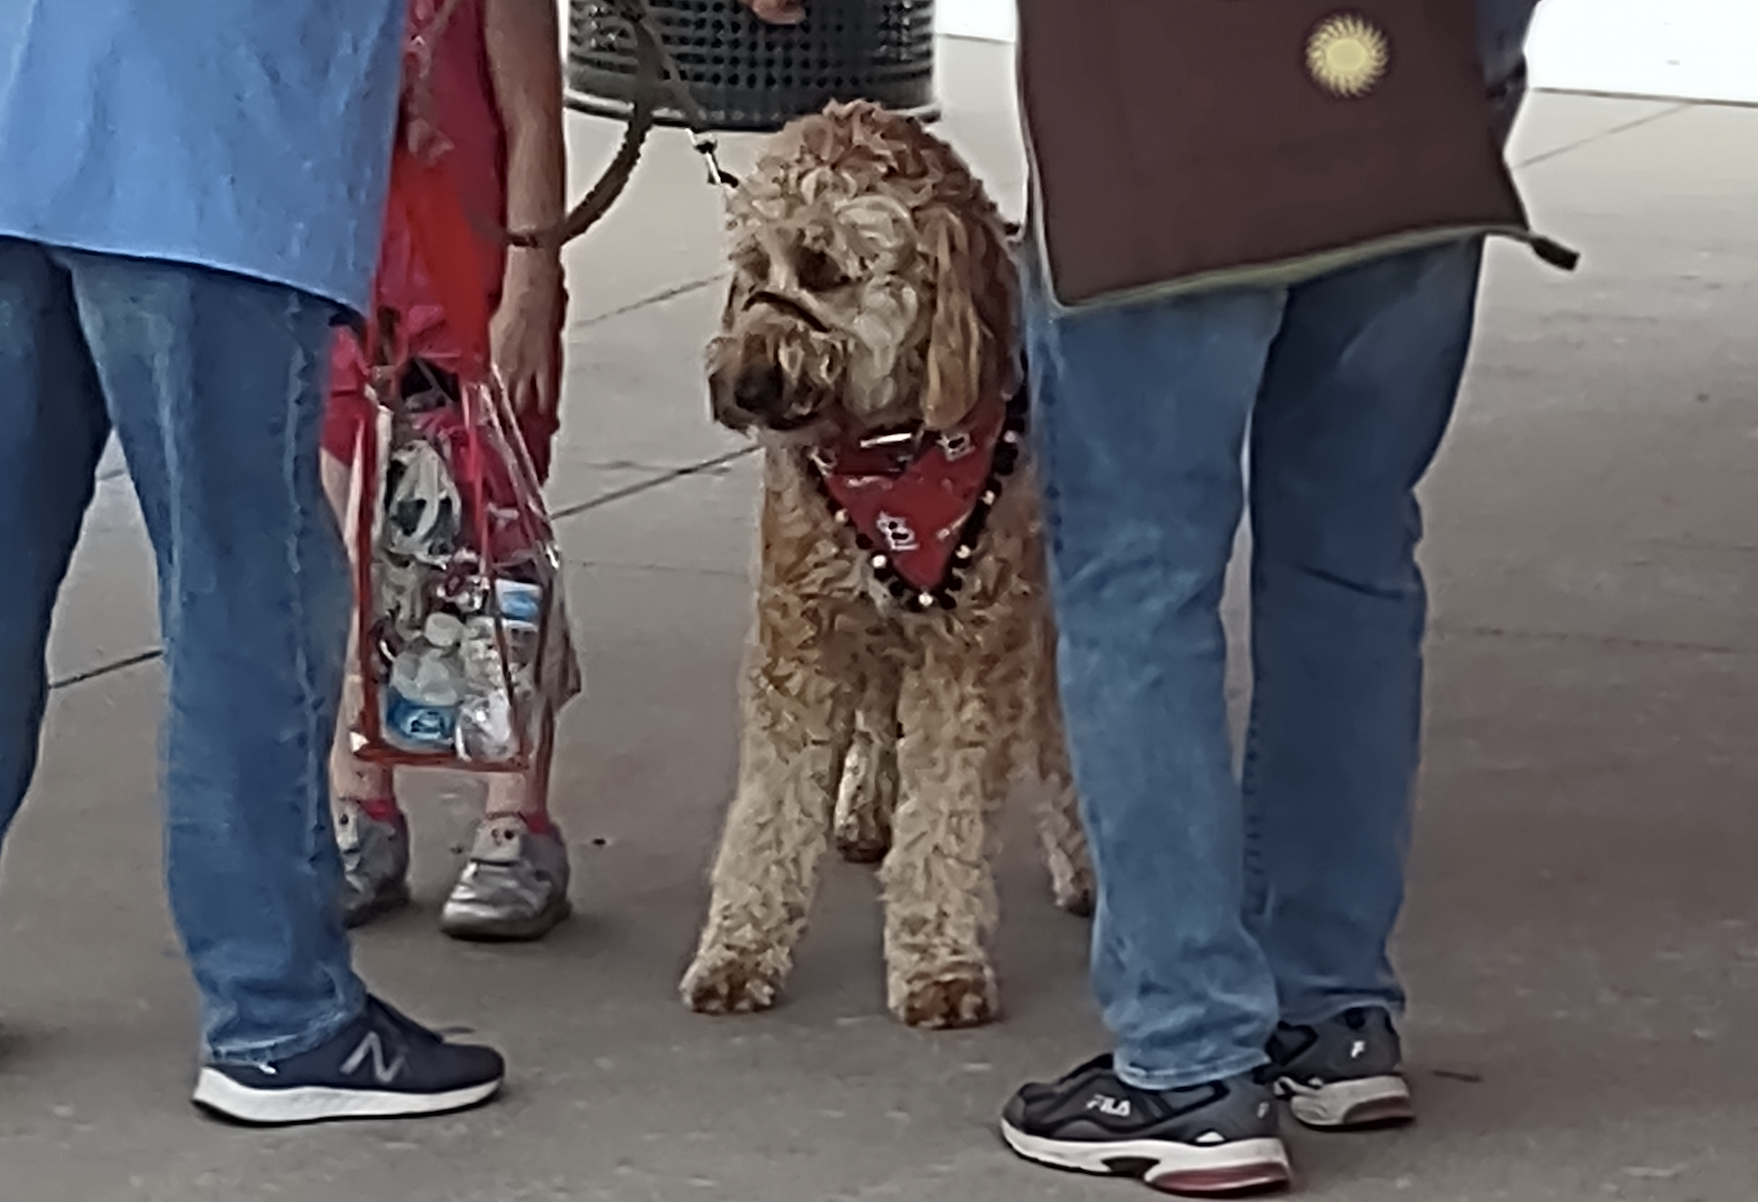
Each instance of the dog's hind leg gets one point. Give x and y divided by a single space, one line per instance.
1060 829
867 799
1062 834
798 718
1041 764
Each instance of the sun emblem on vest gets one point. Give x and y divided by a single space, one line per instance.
1347 55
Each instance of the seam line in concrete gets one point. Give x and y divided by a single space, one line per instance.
618 565
641 486
1691 102
1443 630
567 511
106 669
656 298
1603 134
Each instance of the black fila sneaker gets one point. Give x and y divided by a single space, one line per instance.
1343 1074
1218 1138
381 1065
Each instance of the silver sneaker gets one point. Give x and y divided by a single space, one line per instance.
514 887
375 863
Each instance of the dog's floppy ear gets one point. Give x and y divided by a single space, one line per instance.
972 331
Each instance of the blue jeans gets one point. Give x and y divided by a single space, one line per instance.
1227 904
215 387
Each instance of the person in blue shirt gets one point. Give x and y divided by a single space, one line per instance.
1240 947
190 201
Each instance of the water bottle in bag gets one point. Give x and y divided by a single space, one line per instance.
485 714
425 690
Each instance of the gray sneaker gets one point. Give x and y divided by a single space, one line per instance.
1344 1073
375 863
514 887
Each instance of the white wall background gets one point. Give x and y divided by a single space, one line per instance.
990 19
1692 49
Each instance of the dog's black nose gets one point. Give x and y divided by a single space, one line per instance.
761 392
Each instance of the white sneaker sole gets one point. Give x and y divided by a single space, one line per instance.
1233 1168
216 1091
1344 1105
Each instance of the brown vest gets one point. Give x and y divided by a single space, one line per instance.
1187 144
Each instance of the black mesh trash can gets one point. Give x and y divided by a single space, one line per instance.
751 76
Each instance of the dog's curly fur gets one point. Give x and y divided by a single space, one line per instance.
874 287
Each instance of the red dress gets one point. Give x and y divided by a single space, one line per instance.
473 152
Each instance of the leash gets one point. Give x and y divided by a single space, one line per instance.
658 78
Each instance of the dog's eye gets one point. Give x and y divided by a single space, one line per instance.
818 271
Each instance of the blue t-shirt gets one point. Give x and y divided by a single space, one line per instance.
251 136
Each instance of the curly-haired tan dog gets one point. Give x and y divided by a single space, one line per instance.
902 655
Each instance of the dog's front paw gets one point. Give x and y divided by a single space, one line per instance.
726 983
948 1000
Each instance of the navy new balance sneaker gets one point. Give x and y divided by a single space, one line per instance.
382 1065
1219 1138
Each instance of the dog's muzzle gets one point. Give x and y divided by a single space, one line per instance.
758 397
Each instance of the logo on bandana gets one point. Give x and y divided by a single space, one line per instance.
898 534
956 445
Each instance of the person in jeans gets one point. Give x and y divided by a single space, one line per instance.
1240 948
191 203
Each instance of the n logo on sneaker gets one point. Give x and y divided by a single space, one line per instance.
1117 1108
385 1074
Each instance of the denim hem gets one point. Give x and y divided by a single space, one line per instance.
1221 1070
286 1048
1337 1007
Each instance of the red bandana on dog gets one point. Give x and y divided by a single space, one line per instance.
917 503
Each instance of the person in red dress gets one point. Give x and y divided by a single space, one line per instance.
482 96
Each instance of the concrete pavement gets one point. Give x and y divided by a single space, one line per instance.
1582 936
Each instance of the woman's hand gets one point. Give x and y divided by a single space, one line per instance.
778 12
525 334
525 344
